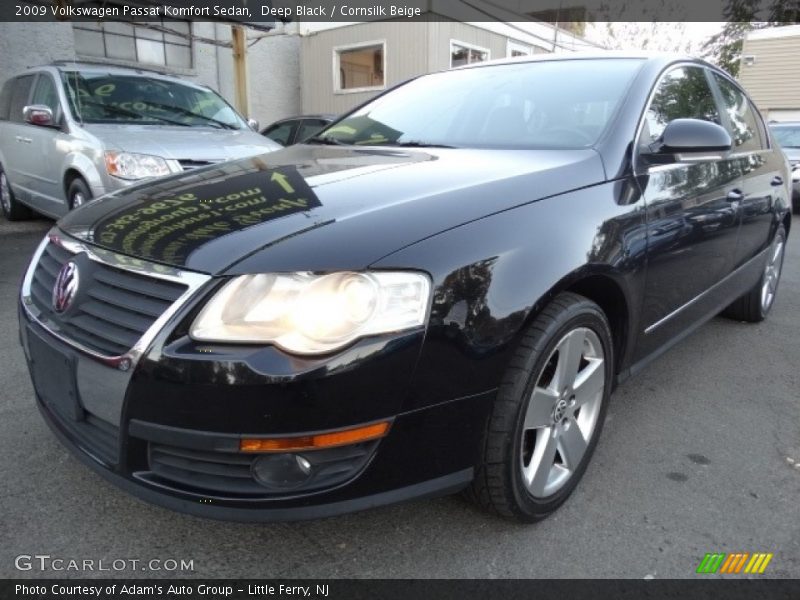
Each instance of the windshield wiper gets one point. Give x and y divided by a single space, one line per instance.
415 144
189 113
130 113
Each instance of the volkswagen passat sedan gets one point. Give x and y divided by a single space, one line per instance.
438 292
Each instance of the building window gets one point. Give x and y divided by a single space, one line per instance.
166 44
359 67
514 49
466 54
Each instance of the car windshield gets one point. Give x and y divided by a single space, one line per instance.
788 136
551 104
98 97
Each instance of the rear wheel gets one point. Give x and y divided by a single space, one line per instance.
13 210
548 413
78 193
755 305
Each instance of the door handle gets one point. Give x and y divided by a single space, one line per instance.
777 180
735 196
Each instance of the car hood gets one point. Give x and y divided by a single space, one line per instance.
318 208
183 143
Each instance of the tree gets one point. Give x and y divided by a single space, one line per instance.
725 48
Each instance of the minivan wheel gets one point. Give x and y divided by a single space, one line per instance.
755 305
13 210
78 193
548 413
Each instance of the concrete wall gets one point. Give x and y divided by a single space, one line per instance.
273 66
773 80
26 45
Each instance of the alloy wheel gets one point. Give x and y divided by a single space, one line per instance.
78 199
772 274
562 412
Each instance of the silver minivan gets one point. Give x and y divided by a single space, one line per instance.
70 132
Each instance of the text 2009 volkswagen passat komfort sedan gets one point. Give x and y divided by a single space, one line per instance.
437 293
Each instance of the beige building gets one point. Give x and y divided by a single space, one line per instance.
343 65
770 71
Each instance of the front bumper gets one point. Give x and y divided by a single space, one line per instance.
167 430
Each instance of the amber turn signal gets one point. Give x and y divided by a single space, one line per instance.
314 442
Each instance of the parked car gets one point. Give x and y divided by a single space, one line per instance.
294 130
439 292
70 132
788 136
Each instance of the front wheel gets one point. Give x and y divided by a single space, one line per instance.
548 413
78 193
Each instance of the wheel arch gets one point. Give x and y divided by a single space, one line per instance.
79 165
605 288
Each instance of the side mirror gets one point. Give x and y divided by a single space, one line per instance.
690 140
253 124
38 114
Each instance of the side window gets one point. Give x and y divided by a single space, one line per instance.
45 93
19 97
309 128
745 131
683 93
5 99
281 133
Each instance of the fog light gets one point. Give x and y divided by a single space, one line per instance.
281 471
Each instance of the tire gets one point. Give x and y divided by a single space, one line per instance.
78 193
537 446
12 209
755 305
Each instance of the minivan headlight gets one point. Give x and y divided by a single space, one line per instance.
127 165
304 313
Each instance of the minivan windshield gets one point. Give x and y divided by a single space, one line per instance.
557 104
99 97
788 136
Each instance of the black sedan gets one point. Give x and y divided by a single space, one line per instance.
437 293
296 129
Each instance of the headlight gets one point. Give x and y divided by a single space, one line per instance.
305 313
127 165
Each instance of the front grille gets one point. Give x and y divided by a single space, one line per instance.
188 164
113 307
229 473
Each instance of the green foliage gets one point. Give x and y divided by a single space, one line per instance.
725 48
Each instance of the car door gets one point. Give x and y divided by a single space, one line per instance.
47 149
15 139
761 169
691 210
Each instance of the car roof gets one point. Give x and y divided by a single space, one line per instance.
661 57
101 67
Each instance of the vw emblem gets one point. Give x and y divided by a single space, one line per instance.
66 287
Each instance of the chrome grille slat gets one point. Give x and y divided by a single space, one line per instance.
113 311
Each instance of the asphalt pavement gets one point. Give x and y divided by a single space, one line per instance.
700 453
